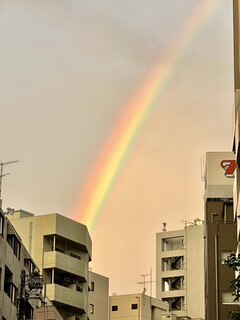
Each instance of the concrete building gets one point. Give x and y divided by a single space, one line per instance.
98 297
220 233
136 306
13 259
180 270
62 250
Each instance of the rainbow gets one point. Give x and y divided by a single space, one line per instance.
108 166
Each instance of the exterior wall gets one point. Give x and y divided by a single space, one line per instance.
98 297
62 249
182 266
146 308
11 265
48 313
220 233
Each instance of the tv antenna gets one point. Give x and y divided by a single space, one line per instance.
2 167
144 282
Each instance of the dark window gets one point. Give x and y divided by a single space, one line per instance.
14 244
11 290
1 224
91 308
92 286
114 308
29 311
3 318
75 256
29 265
134 306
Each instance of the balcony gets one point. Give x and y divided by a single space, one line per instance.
66 296
55 259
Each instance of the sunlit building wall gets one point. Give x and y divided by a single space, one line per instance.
180 270
62 250
13 259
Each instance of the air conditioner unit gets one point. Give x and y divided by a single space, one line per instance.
168 316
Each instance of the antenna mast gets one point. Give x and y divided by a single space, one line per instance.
2 167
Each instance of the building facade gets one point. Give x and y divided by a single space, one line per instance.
220 234
13 259
136 306
62 250
98 297
180 270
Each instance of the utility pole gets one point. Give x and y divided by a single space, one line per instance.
2 167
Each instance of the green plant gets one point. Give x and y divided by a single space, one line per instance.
233 262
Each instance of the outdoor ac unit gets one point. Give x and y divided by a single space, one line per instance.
168 316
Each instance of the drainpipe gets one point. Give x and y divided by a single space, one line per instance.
216 274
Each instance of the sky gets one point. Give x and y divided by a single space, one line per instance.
70 69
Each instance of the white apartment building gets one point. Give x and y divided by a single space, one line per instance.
136 306
180 270
98 297
62 250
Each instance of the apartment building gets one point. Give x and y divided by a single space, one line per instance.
62 250
180 270
136 306
98 297
13 259
220 233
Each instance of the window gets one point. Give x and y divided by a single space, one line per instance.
91 308
92 286
14 244
29 265
134 306
173 263
11 290
224 255
173 283
227 298
75 256
1 224
175 303
114 308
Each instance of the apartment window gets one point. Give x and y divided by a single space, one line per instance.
75 256
169 244
92 286
225 255
29 265
1 224
14 244
11 290
29 311
114 308
91 308
228 298
134 306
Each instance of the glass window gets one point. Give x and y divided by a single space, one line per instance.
1 224
134 306
169 244
14 244
227 298
92 286
224 255
114 308
91 308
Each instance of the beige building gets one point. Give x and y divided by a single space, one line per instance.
180 270
136 306
62 250
13 259
98 297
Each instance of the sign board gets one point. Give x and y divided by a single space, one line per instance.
219 175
